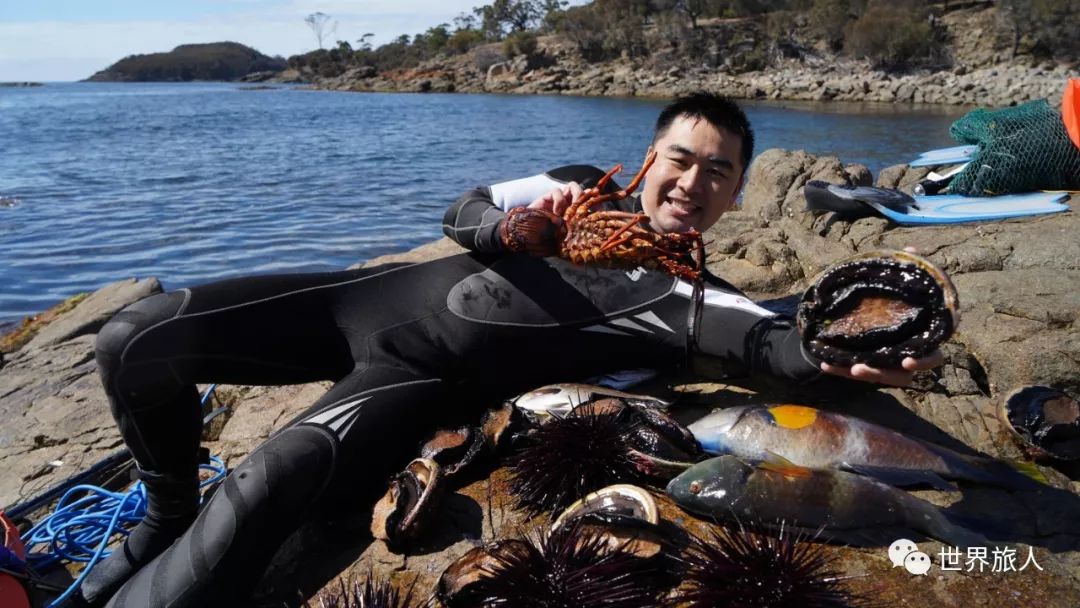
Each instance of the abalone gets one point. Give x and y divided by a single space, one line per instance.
1045 420
625 516
878 308
401 514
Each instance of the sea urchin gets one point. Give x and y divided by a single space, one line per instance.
371 593
572 566
751 568
569 457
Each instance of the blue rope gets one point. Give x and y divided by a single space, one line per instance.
87 517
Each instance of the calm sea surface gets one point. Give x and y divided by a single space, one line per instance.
195 182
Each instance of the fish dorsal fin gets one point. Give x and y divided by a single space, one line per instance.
776 463
793 416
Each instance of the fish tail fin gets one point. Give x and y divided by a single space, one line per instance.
1012 475
1029 470
963 530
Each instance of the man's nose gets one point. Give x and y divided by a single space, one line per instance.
690 180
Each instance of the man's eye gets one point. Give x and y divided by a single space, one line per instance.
680 162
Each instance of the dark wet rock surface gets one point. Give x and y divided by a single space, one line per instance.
1019 285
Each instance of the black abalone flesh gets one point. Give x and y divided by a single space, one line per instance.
1045 420
878 308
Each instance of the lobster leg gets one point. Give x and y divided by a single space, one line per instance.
610 242
615 215
591 197
607 177
680 270
627 191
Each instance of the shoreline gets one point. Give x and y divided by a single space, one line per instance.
997 86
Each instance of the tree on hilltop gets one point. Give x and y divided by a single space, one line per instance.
322 25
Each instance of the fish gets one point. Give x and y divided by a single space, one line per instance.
818 439
558 399
833 504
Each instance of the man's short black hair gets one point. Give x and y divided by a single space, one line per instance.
717 110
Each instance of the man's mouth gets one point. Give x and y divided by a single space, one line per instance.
683 207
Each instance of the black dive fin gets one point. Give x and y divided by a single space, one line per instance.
854 200
901 477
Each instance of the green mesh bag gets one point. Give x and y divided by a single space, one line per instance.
1021 149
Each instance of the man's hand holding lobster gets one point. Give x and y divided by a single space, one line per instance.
568 222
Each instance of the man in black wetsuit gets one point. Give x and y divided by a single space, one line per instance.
704 144
411 348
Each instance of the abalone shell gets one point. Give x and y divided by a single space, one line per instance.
878 308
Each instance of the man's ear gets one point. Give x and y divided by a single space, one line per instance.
648 151
737 191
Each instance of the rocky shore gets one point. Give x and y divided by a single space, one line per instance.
1019 283
984 69
839 80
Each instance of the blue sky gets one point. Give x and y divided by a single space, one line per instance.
57 40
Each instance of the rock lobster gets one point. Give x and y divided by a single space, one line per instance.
608 237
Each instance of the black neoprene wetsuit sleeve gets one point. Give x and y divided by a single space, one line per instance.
473 220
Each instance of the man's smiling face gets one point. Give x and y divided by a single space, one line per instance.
696 177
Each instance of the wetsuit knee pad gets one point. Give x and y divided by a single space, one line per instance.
127 325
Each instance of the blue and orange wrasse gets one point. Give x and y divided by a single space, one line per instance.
818 439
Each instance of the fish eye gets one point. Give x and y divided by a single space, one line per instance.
695 487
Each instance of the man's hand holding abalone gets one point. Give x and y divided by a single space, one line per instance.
879 317
892 376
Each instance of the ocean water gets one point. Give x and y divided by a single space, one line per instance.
202 181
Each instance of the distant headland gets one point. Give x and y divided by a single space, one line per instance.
214 61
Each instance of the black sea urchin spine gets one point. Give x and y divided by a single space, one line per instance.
567 458
371 593
754 569
571 567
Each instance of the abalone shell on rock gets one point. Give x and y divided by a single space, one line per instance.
1045 420
878 308
407 507
625 516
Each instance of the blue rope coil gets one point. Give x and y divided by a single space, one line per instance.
88 517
